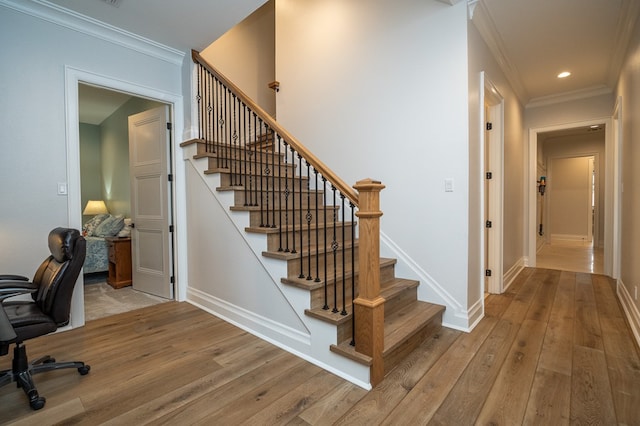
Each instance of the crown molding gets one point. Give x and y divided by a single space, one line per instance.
487 29
63 17
569 96
628 16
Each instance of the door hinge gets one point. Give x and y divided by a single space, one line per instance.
488 224
170 228
487 272
169 126
489 125
489 175
170 177
172 279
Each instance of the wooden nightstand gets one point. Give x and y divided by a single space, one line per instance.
119 262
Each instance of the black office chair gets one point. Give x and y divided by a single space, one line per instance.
51 291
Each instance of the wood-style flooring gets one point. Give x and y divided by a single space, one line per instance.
571 256
553 349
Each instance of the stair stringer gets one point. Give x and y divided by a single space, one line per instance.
309 338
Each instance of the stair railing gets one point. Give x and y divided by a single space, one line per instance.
295 191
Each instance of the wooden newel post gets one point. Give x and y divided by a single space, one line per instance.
369 306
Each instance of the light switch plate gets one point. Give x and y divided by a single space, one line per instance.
448 185
62 188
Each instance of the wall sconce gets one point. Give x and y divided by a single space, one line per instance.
95 207
542 184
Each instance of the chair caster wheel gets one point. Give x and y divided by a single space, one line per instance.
37 403
84 370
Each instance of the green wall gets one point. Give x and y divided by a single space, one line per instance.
104 158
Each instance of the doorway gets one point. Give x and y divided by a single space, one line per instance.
105 146
570 230
492 157
584 140
73 78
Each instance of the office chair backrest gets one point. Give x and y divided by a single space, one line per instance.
57 275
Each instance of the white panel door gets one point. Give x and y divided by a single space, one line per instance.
149 141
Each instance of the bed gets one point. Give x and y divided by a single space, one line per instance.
95 231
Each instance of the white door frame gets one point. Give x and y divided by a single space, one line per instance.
611 197
490 95
73 77
616 130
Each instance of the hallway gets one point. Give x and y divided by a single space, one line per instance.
571 256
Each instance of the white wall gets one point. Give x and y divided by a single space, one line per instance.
246 55
596 107
629 91
379 89
569 198
32 116
481 59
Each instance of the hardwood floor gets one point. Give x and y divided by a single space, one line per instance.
554 349
571 256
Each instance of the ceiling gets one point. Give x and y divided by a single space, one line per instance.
533 40
95 104
182 25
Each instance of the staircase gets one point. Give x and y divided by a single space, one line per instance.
307 221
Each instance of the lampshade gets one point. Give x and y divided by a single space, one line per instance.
95 207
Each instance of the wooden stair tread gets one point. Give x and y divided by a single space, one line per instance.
394 288
305 191
278 209
399 326
345 349
282 255
407 322
312 285
297 227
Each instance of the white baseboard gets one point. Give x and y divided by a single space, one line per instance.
630 309
569 237
512 273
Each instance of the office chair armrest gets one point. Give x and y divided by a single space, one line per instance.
7 333
9 277
14 288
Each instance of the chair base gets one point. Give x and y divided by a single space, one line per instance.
22 373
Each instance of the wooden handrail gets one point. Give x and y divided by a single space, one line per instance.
322 168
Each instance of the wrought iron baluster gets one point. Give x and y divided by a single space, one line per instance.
279 192
242 155
317 279
272 135
293 200
334 248
301 275
286 197
309 216
264 195
234 143
353 274
344 255
324 246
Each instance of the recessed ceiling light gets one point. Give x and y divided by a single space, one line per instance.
564 74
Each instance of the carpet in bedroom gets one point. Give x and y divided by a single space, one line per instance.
101 300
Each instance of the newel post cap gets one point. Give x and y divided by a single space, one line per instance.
368 184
